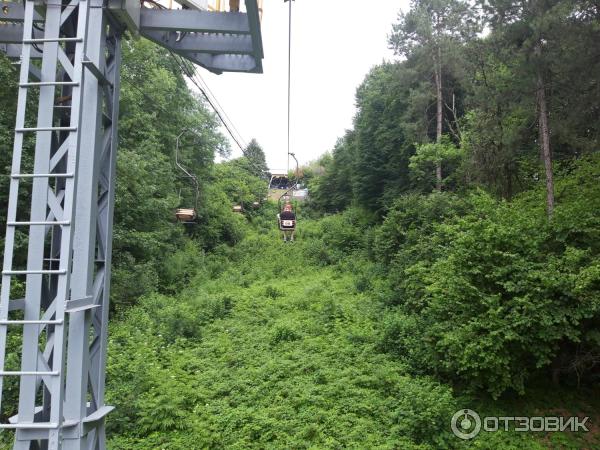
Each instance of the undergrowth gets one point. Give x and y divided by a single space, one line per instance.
274 345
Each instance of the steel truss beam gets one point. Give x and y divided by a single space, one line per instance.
15 12
203 43
194 21
14 51
223 63
11 33
219 42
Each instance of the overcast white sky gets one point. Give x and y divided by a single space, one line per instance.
334 44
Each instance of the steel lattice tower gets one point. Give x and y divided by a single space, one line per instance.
61 196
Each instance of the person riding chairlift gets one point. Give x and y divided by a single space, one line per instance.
287 222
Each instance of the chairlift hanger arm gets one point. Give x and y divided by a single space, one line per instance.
294 185
177 162
184 170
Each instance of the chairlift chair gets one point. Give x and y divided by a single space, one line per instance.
285 225
187 215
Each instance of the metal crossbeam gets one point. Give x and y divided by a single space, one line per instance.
219 42
15 12
194 21
202 42
11 33
255 30
223 63
14 51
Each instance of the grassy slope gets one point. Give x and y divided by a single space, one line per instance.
269 349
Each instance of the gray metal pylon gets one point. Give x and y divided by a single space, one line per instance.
49 204
86 360
65 276
70 52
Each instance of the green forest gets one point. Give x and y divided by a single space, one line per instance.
448 256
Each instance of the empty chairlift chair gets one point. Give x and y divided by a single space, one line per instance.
187 215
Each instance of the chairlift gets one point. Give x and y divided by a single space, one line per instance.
286 224
187 215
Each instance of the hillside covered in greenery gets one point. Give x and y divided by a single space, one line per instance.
319 344
448 256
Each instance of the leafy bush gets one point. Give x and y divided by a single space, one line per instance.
181 266
284 332
412 217
507 292
334 237
422 411
273 292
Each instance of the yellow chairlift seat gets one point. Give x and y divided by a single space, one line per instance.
238 209
186 214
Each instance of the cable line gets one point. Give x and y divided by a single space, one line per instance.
220 112
192 131
197 74
217 112
289 93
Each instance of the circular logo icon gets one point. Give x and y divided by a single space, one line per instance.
466 424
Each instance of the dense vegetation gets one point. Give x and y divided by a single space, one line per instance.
471 106
274 345
448 257
477 152
151 252
156 107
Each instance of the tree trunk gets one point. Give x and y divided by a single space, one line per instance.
544 132
439 113
438 176
556 367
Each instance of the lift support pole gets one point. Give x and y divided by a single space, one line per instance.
61 198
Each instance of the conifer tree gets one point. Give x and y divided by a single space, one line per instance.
431 29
